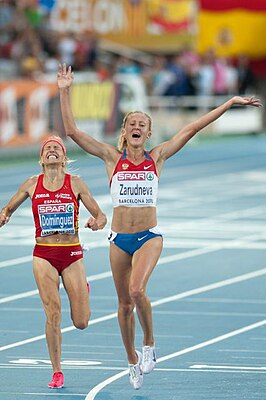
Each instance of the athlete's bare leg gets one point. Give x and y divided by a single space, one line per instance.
143 263
75 283
47 280
121 269
131 275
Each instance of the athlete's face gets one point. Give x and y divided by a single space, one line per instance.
137 129
53 154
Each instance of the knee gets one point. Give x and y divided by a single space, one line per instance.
136 294
82 322
125 308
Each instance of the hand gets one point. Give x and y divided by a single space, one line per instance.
96 223
64 76
3 219
247 101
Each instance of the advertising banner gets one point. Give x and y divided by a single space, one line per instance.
143 24
30 111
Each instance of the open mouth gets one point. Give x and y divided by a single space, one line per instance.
136 135
52 157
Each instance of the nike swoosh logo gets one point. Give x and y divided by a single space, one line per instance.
143 237
147 166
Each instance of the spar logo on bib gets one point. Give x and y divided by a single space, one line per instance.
70 208
149 176
131 176
56 218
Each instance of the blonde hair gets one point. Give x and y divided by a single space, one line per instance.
122 141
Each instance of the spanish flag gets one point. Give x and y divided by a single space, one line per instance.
233 27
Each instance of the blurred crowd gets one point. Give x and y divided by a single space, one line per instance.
30 49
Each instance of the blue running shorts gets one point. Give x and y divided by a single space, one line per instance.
131 242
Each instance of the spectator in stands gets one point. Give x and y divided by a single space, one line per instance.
205 76
160 78
66 47
127 66
181 85
86 51
246 79
220 70
230 77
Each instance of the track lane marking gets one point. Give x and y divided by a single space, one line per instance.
169 299
108 274
91 395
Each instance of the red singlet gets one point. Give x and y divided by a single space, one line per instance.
55 212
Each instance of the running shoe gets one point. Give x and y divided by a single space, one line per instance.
135 373
57 381
148 359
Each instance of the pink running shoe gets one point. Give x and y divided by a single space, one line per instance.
57 381
88 287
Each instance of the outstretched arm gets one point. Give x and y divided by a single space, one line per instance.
65 77
170 147
98 219
18 198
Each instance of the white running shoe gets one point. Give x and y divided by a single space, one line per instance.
135 373
148 359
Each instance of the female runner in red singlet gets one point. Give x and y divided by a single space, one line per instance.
136 242
55 199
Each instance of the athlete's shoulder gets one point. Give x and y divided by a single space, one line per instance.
77 183
75 178
32 180
29 185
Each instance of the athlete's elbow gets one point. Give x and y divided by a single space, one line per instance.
70 132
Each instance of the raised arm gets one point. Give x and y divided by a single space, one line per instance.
22 194
92 146
98 219
170 147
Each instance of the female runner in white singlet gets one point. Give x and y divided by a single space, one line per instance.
136 242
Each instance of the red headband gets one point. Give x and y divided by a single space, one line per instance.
51 139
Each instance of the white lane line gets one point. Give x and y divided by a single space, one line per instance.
91 395
229 367
165 300
19 296
55 394
163 260
10 367
89 368
64 330
15 261
108 274
207 288
71 367
179 256
34 292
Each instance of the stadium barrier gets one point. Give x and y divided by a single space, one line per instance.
30 111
